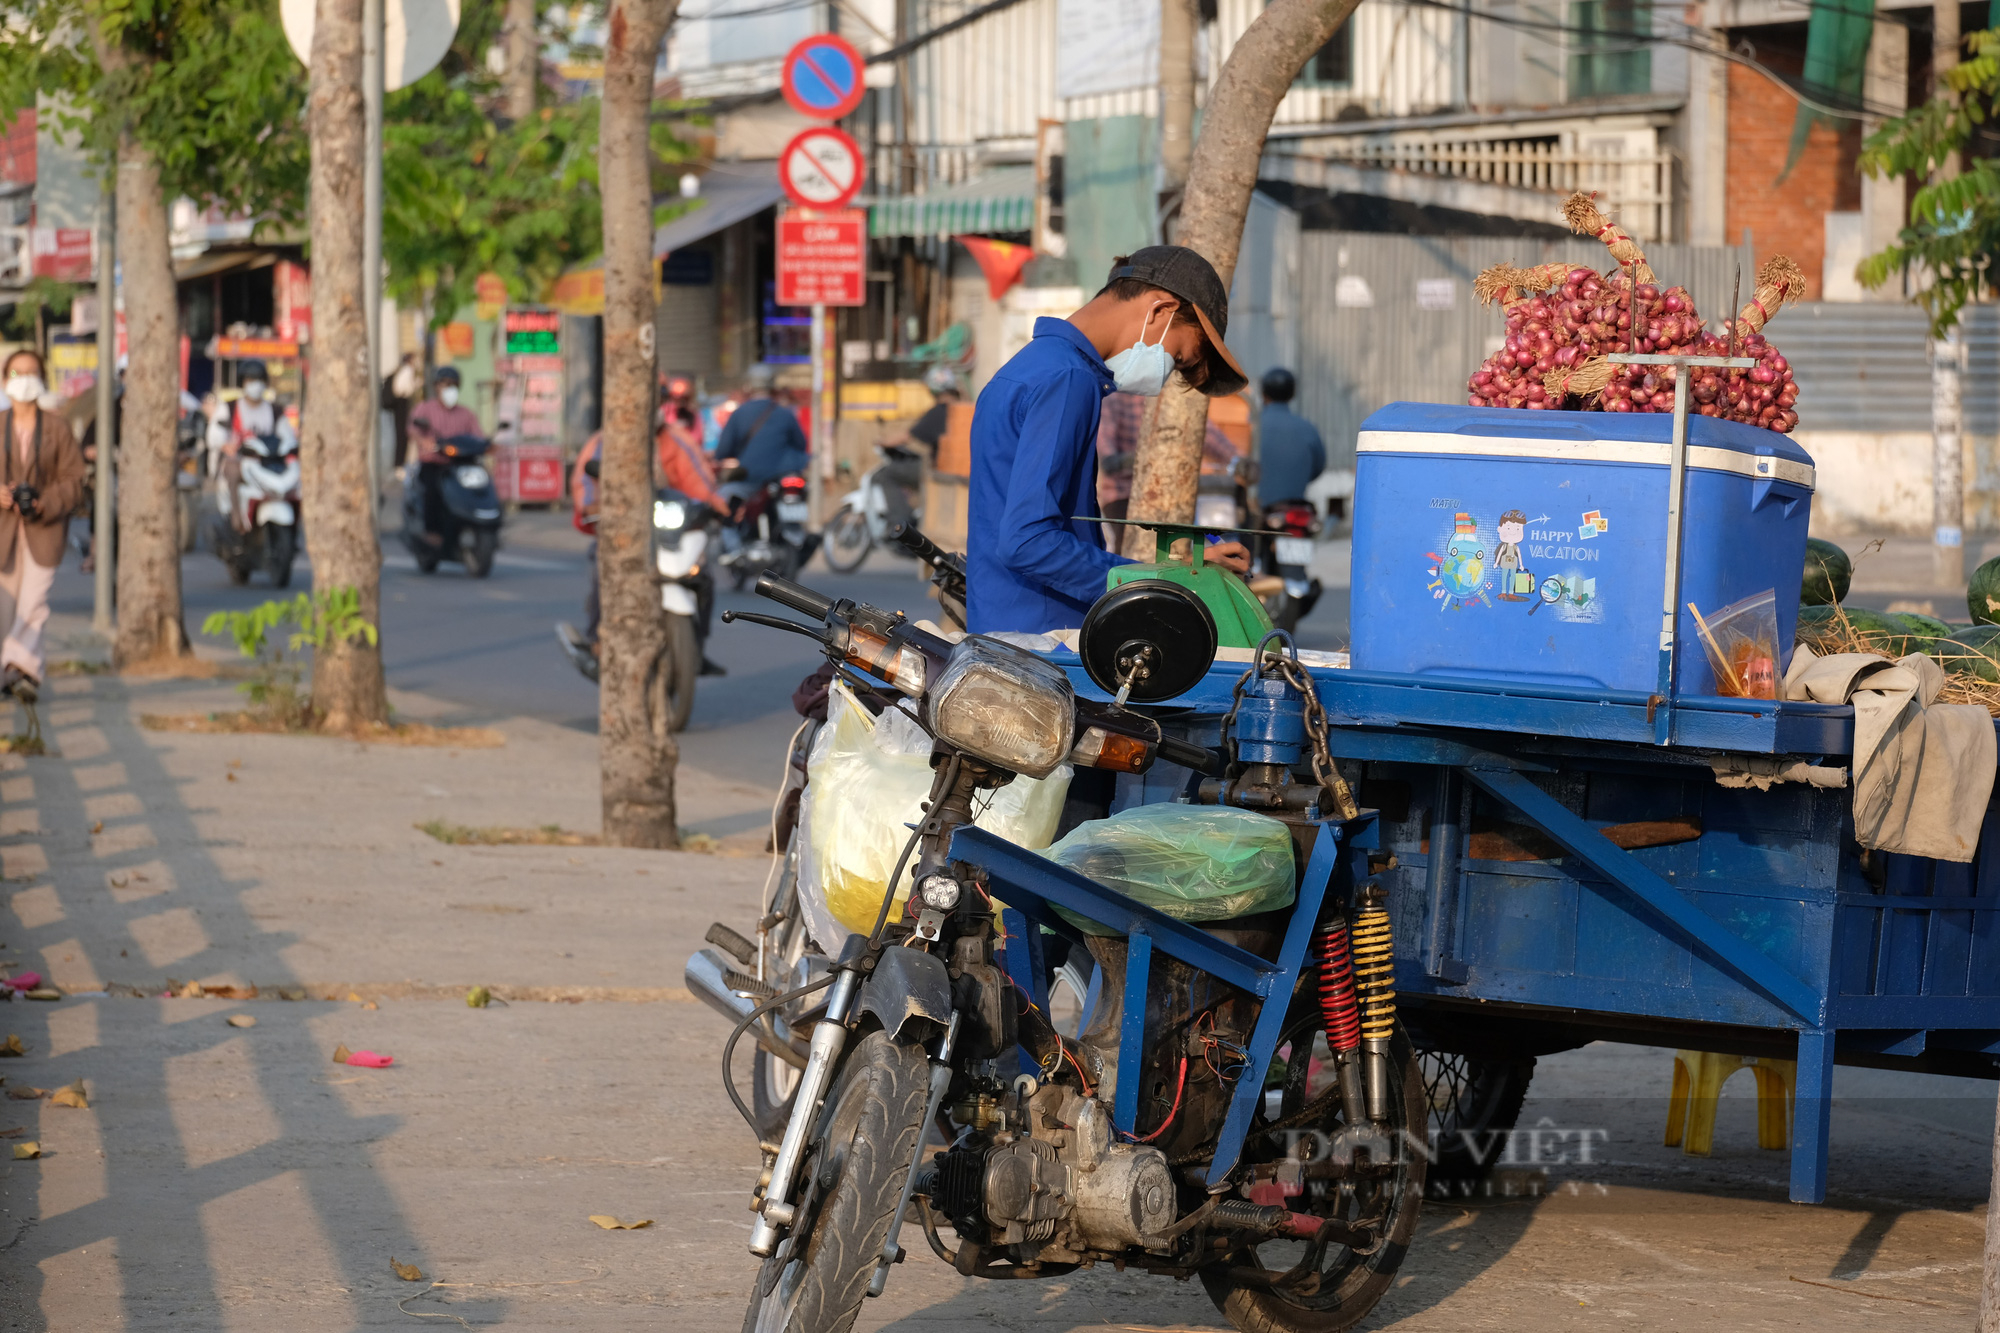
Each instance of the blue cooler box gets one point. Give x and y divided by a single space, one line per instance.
1532 546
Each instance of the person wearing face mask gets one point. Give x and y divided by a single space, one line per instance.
41 480
432 422
252 414
1034 558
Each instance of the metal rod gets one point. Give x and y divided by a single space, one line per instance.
827 1040
103 587
373 39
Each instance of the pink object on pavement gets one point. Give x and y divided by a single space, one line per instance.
25 981
370 1059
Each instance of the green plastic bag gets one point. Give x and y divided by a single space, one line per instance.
1192 862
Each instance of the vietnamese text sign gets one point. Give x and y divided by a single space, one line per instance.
822 257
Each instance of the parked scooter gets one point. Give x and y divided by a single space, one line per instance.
768 534
867 514
459 492
258 528
1288 560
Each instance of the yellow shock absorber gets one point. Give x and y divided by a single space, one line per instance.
1375 984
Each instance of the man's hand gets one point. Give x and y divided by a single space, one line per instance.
1232 556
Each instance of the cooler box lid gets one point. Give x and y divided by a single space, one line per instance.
1583 437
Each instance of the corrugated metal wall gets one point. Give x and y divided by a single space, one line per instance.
1867 367
1354 359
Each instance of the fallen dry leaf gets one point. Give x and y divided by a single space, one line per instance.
407 1272
192 991
25 1152
45 993
230 992
72 1096
13 1046
340 1054
353 998
98 827
242 1021
370 1004
610 1223
14 1133
118 882
232 777
478 998
291 992
26 1094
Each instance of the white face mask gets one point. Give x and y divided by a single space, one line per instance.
448 395
1143 367
24 388
254 391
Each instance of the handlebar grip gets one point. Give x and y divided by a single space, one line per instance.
801 599
912 539
1189 755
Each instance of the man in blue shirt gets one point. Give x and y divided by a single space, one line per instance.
1034 555
1290 453
762 435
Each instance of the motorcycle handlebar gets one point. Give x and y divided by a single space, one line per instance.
801 599
1189 755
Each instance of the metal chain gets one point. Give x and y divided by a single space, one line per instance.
1299 679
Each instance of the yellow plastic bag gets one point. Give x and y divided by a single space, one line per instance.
867 781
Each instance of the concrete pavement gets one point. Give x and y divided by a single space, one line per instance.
234 1178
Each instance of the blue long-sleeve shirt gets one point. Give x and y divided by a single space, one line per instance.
1035 559
1290 454
767 438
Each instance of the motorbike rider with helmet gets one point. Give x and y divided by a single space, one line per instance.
1290 451
254 413
438 418
763 437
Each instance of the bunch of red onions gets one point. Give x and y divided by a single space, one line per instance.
1553 339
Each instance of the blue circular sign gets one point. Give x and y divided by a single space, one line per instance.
823 77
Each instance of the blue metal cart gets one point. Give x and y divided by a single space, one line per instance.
1756 926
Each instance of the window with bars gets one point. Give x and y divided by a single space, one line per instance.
1609 51
1332 66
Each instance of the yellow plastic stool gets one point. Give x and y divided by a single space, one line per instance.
1698 1080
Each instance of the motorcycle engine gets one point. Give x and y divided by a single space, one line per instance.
1060 1190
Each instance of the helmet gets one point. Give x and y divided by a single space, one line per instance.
446 375
1278 385
940 380
762 375
251 370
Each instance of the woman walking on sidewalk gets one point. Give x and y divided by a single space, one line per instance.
40 482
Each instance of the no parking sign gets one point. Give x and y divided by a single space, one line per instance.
823 77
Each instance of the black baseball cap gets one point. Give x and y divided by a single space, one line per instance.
1185 273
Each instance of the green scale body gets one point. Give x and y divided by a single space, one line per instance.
1240 618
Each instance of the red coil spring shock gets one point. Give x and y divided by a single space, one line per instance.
1337 1006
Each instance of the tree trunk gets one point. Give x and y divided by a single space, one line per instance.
150 626
1221 176
1989 1283
635 734
524 67
1178 22
347 686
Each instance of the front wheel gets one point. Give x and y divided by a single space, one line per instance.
847 541
281 547
674 673
859 1151
479 555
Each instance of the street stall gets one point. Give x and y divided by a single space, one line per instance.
1613 801
527 452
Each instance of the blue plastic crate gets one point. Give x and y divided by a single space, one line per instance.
1531 547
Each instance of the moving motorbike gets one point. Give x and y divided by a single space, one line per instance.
1262 1055
1287 585
684 536
259 527
866 514
768 532
460 493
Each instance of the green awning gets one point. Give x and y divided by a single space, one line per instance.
1002 200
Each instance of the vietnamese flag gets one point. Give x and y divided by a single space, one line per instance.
1000 261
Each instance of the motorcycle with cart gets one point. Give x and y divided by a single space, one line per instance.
1241 1105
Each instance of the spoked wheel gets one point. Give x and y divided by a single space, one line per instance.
854 1167
1474 1103
1294 1286
847 541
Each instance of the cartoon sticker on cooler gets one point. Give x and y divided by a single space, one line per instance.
1570 589
1458 577
1516 583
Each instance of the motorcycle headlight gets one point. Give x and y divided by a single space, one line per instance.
1004 705
940 893
473 477
669 514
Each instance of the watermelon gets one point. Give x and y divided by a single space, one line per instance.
1883 632
1982 593
1828 573
1924 630
1973 651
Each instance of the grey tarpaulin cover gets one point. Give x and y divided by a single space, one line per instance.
1922 771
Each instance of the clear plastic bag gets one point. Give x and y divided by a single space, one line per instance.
867 781
1192 862
1742 644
